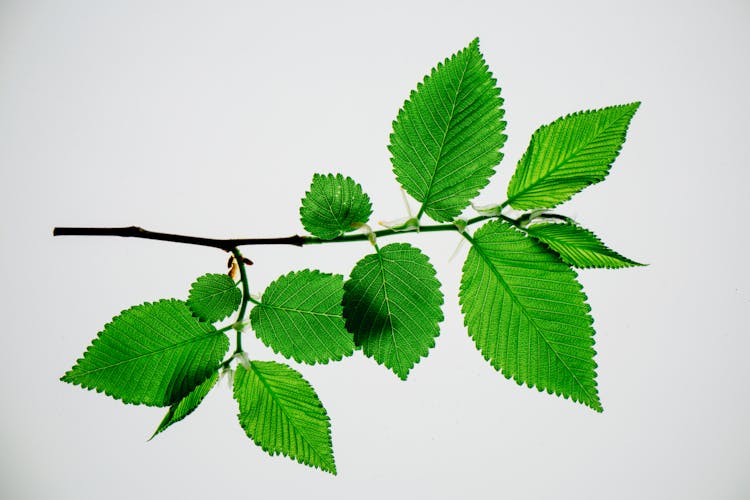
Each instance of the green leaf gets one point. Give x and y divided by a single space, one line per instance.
334 205
392 305
567 155
300 317
577 246
187 405
213 297
528 315
281 413
152 354
447 137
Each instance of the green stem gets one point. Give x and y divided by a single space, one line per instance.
245 296
313 240
468 237
233 326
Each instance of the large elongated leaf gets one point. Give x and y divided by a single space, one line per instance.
527 314
188 404
300 317
446 139
281 413
213 297
334 205
392 305
577 246
153 354
567 155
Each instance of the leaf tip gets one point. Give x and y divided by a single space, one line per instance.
595 405
329 467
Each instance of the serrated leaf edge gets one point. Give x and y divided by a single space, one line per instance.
313 272
190 302
67 376
167 421
271 452
400 117
595 403
335 177
614 254
432 340
635 104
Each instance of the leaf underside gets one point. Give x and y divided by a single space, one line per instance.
281 413
392 306
153 354
300 317
568 155
213 297
578 247
527 314
447 137
188 404
334 205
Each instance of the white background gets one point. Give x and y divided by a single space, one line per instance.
210 119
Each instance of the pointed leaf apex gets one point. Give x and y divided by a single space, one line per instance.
538 329
281 413
578 247
569 154
447 137
186 405
160 342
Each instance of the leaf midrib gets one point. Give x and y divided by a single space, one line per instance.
210 296
388 308
300 311
445 134
151 353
